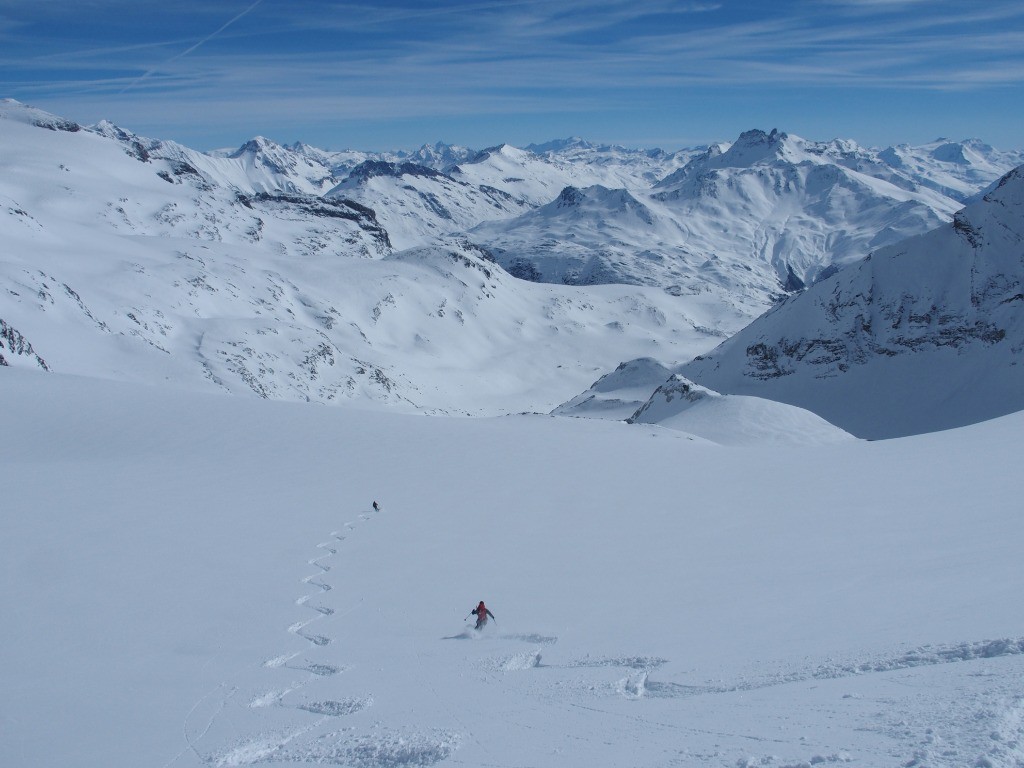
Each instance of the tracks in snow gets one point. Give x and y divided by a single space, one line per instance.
314 742
641 671
287 722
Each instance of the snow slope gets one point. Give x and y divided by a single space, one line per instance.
625 394
200 580
927 334
418 204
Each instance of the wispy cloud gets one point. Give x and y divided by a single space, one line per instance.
196 45
319 59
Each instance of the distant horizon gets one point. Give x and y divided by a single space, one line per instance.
668 74
411 149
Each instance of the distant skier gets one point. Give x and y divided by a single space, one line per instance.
376 507
481 612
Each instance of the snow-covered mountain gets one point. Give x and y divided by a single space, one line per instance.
766 214
121 263
539 173
439 156
923 335
784 203
954 168
293 272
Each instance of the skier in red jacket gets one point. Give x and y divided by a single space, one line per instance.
481 612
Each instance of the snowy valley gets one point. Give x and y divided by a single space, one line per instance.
214 363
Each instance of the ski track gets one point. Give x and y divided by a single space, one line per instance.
381 749
926 655
981 727
638 683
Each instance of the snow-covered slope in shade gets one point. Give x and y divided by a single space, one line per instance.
924 335
195 581
586 236
733 419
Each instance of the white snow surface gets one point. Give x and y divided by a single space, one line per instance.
200 580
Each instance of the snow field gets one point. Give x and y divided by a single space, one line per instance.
200 580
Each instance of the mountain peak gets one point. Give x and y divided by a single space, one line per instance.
570 197
256 145
499 150
756 146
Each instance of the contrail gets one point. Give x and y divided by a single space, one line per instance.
189 50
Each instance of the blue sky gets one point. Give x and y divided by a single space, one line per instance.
641 73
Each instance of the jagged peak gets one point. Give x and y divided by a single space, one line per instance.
755 146
256 145
115 131
439 146
438 155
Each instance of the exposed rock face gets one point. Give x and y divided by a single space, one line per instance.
17 348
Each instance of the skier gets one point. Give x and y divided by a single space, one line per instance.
376 507
481 612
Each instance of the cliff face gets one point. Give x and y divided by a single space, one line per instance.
15 349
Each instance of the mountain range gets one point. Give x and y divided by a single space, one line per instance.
505 279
